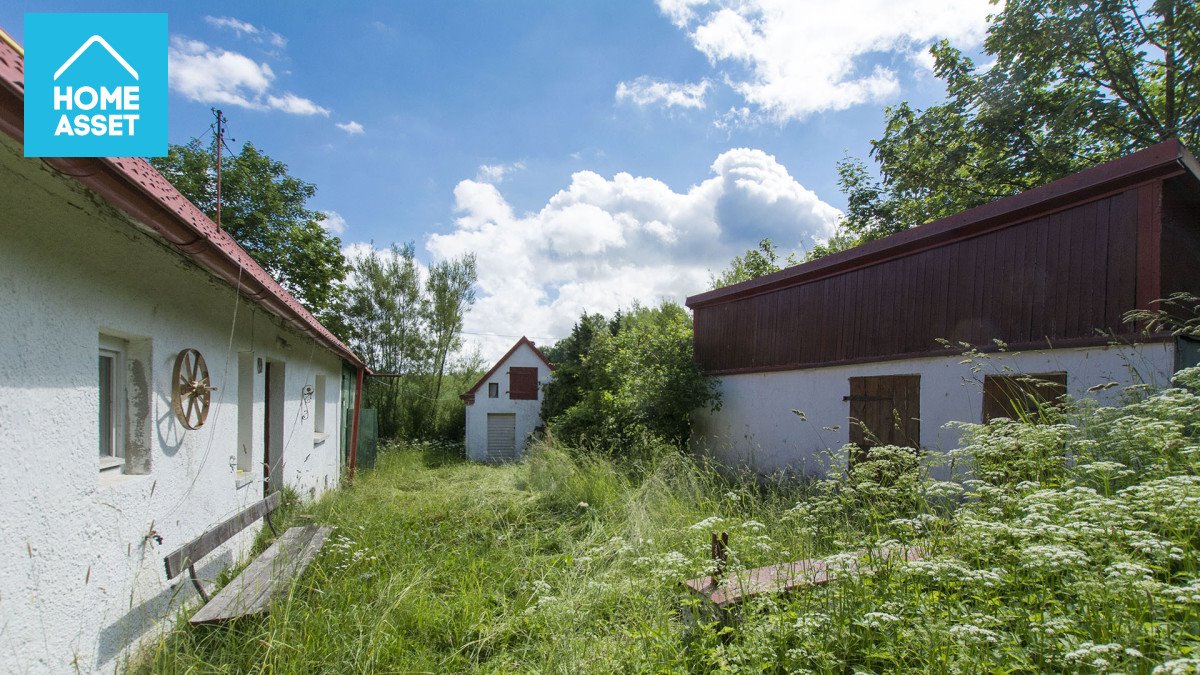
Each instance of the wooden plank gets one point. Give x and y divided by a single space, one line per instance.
1038 327
178 560
1149 244
740 586
268 576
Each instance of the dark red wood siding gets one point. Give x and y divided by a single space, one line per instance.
1180 238
1060 277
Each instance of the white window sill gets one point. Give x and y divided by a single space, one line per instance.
111 464
114 478
319 437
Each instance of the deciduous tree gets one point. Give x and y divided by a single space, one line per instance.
1068 85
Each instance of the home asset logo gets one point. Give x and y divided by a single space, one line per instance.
95 85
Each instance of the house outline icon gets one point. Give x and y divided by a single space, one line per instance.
95 39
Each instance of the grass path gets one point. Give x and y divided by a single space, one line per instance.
439 565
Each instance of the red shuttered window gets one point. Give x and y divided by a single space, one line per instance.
522 384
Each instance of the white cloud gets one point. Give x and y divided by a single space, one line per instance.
296 105
602 243
334 222
243 28
353 128
496 173
212 75
645 91
791 58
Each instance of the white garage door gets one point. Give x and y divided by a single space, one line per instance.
501 436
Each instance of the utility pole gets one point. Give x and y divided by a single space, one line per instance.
220 141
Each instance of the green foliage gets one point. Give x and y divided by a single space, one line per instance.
572 562
406 328
573 374
1072 85
632 378
757 262
265 209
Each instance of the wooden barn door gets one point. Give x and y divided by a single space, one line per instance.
885 410
501 436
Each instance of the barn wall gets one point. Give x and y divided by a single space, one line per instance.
1061 276
756 427
81 573
1180 237
529 413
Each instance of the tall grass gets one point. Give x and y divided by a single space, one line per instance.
1069 547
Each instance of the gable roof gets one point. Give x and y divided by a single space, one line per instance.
1166 159
469 395
134 187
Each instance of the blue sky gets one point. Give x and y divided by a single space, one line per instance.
591 153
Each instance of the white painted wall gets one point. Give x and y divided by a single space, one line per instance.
757 428
529 413
81 578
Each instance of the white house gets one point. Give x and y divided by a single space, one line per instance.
111 284
852 340
505 405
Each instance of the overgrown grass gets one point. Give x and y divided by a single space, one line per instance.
1073 548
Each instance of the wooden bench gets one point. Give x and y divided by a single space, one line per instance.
725 591
265 577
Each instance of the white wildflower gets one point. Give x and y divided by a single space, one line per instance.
708 523
1178 667
1102 656
878 619
1128 570
1184 595
971 634
1053 558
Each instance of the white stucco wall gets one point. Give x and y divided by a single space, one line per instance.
81 577
757 428
529 413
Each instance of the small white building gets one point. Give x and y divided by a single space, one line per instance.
505 405
109 278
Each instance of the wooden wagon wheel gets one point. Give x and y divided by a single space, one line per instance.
192 392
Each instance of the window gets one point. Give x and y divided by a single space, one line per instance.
885 410
111 392
522 384
319 406
1021 397
493 390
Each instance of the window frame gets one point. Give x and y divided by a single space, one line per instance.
113 349
493 390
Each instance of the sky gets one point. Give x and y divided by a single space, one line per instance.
591 154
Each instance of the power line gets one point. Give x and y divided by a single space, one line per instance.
539 337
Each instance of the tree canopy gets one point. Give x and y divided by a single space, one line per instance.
265 209
1068 85
622 380
406 324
